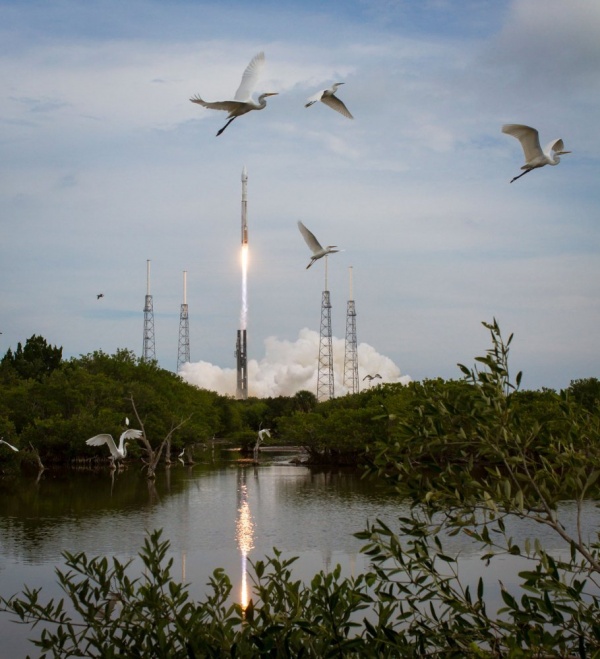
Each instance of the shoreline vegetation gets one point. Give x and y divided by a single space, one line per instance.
469 453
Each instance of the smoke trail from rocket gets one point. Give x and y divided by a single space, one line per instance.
244 310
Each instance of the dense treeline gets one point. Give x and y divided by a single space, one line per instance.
51 406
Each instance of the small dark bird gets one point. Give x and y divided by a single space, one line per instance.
99 296
371 377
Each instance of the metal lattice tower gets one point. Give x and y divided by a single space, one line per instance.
351 350
325 389
149 349
183 346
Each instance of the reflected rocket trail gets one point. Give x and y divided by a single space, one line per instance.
244 533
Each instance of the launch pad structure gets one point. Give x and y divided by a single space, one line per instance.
325 382
148 348
183 345
351 382
241 389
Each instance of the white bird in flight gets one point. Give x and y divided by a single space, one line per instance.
328 97
120 452
14 448
534 155
314 245
243 101
370 378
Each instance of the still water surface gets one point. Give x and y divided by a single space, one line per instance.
215 514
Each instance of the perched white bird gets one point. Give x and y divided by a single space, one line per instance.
116 453
243 101
259 439
314 245
534 155
262 433
328 97
14 448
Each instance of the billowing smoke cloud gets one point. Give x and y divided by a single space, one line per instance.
290 367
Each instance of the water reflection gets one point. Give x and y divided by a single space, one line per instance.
215 515
244 532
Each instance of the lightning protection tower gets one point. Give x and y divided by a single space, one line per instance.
351 350
325 388
183 346
149 349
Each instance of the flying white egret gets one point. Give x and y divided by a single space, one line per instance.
328 97
117 453
314 245
14 448
534 155
243 101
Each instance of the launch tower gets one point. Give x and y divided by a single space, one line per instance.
183 346
351 350
149 349
325 389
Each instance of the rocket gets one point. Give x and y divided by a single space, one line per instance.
244 206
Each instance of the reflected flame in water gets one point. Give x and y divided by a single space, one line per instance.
244 537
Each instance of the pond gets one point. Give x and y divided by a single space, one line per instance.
222 512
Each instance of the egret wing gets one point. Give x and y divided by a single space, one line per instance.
14 448
315 98
132 434
228 106
310 239
556 145
335 104
104 438
529 138
250 78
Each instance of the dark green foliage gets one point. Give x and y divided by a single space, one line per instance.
36 360
82 397
586 392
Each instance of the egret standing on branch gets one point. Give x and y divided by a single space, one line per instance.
530 141
314 245
260 439
243 101
328 97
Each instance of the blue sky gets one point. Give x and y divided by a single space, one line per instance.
105 163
